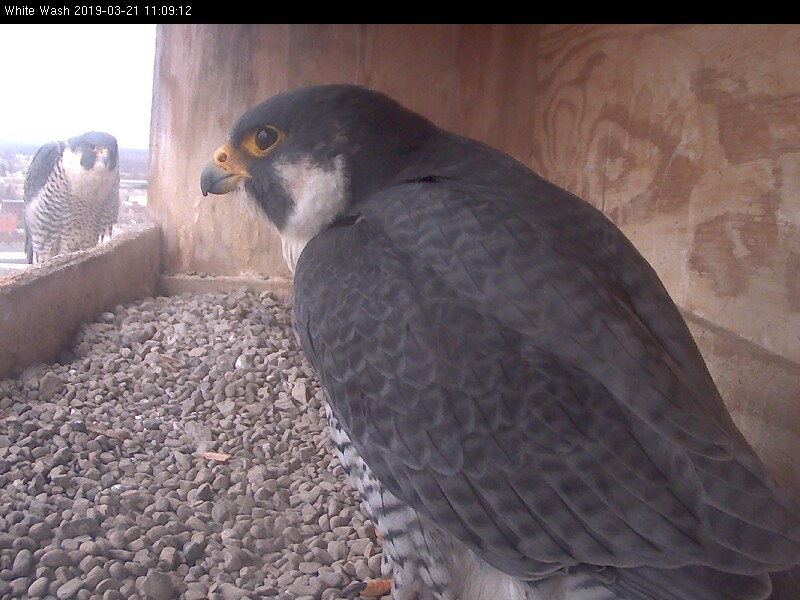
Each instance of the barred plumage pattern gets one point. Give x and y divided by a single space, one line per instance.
70 206
425 563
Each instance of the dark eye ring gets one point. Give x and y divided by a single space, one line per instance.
265 138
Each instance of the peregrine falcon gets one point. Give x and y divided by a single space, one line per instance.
71 195
510 388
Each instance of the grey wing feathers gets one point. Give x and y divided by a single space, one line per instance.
110 211
41 167
475 379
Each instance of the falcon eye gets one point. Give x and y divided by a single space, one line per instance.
265 138
262 140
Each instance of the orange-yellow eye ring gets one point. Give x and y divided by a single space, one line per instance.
262 140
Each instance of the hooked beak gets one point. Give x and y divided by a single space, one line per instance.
223 172
102 155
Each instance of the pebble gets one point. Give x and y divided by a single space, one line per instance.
69 589
158 586
23 563
38 589
40 532
105 492
55 558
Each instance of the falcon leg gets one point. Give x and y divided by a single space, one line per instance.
415 553
372 588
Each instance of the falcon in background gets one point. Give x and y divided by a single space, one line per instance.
71 195
510 387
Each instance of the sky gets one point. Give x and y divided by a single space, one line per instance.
58 81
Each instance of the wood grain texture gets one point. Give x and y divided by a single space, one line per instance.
688 137
205 77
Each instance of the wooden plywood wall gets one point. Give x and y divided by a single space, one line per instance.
687 136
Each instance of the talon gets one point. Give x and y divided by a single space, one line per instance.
376 588
372 588
353 589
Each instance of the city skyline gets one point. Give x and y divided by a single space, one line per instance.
63 80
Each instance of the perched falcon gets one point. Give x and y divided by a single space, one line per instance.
71 195
510 388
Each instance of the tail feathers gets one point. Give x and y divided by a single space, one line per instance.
691 583
786 584
28 246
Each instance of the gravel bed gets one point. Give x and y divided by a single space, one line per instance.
178 450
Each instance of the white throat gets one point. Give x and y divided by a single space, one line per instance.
319 195
95 184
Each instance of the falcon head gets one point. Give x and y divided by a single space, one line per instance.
92 150
306 157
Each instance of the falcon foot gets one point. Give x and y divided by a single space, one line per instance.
372 588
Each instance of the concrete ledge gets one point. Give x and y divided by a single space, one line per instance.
175 284
42 306
762 392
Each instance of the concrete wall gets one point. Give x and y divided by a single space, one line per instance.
42 306
687 136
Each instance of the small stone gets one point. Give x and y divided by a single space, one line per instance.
94 577
117 570
299 391
284 404
227 407
19 587
87 563
322 556
232 560
69 590
107 584
49 385
300 587
38 589
309 568
220 512
116 538
27 543
192 551
76 527
168 558
256 408
40 531
196 591
158 586
182 460
55 558
330 579
23 563
361 547
337 549
204 492
374 564
231 592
